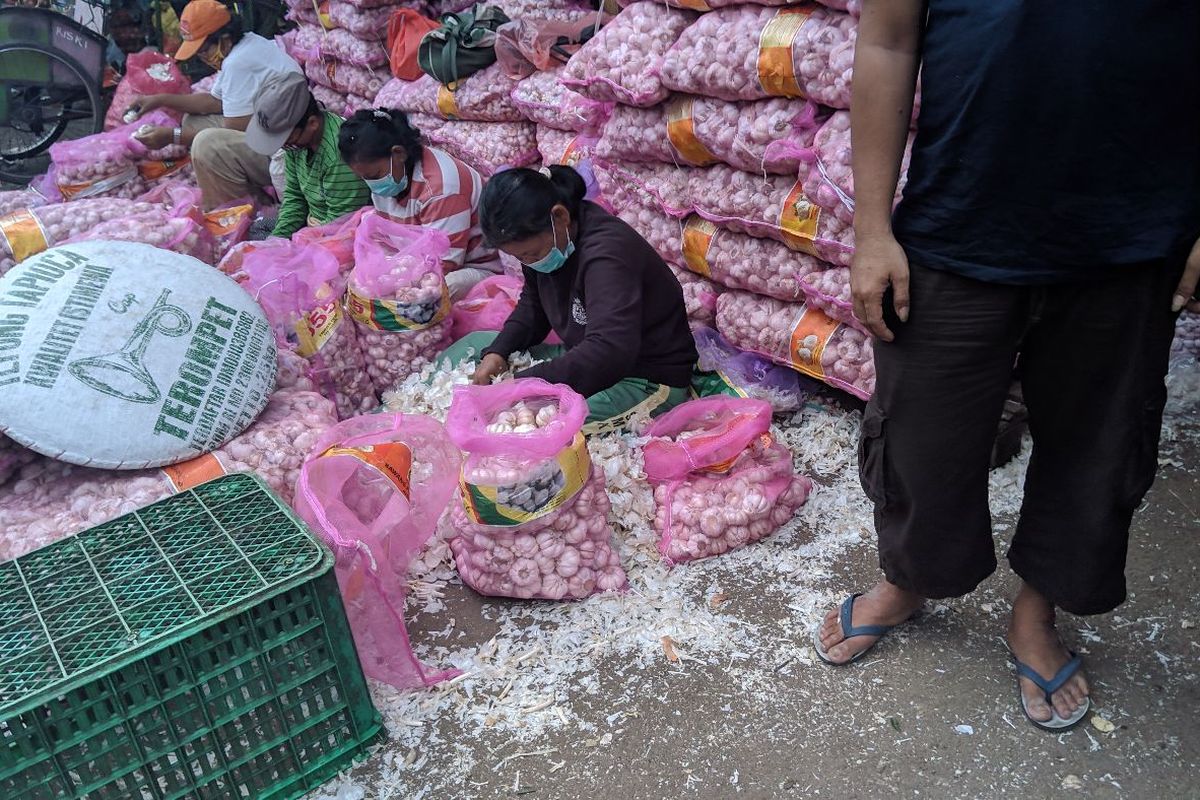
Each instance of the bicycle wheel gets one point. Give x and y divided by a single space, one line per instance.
44 96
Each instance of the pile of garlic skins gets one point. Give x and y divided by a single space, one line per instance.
393 353
707 514
564 555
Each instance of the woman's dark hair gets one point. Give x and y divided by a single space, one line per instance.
373 132
516 203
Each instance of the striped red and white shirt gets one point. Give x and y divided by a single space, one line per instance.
445 195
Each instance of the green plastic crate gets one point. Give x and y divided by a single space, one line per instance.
195 648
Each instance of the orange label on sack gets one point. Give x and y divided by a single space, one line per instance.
681 131
698 234
809 336
153 170
798 220
694 5
776 68
316 328
323 15
446 104
392 460
23 233
190 474
572 154
765 439
224 221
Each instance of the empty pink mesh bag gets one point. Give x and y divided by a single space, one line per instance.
300 289
488 305
533 516
372 488
720 480
398 298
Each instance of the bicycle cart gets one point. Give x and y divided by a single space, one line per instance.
51 74
54 55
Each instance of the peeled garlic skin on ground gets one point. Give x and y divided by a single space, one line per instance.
564 555
710 514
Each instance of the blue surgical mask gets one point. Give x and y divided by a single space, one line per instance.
553 260
387 186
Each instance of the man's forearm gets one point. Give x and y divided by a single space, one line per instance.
197 103
885 72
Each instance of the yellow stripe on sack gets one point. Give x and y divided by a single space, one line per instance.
698 234
24 234
681 132
446 104
317 327
798 221
776 68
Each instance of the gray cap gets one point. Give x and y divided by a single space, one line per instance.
279 105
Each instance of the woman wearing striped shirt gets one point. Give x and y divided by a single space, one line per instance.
419 185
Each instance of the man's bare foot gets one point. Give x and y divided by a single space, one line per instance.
884 604
1034 641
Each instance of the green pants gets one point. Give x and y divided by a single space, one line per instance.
609 410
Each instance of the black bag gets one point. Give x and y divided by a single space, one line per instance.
464 44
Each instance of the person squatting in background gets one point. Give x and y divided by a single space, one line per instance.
418 185
214 122
320 187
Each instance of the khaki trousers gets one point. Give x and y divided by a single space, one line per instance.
226 168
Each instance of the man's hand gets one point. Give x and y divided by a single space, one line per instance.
879 261
144 103
491 366
156 138
1185 293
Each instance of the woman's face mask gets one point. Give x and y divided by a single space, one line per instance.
554 260
214 55
387 186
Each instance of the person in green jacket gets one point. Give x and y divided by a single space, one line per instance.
320 187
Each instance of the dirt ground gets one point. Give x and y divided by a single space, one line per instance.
933 712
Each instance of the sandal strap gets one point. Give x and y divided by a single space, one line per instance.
1051 685
849 631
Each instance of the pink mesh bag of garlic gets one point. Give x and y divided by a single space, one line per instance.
182 233
19 199
720 479
829 181
47 500
369 24
484 96
397 297
345 78
300 288
372 489
487 146
531 519
29 231
342 45
772 206
622 62
750 52
542 98
700 297
770 136
801 337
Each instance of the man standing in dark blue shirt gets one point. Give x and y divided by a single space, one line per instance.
1052 214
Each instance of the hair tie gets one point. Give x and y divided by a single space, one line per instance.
545 171
379 113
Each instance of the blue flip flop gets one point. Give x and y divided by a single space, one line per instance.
1055 723
849 631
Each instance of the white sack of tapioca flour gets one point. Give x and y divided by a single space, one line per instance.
123 355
